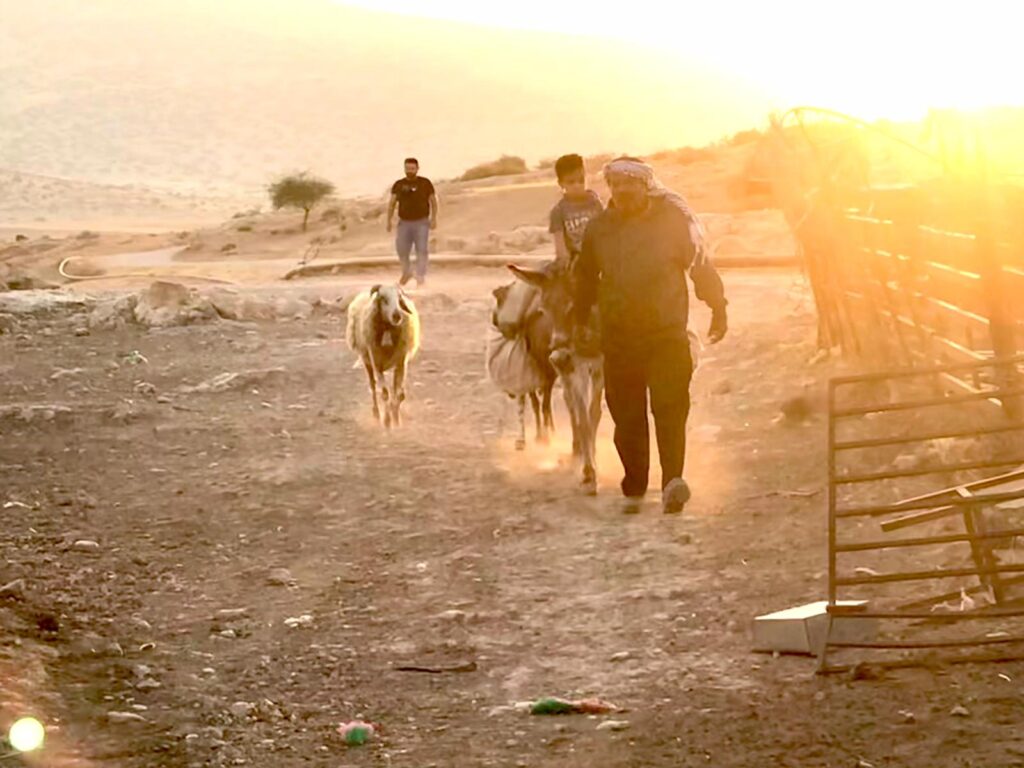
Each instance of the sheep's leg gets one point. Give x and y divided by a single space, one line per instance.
386 397
399 391
521 407
373 386
538 419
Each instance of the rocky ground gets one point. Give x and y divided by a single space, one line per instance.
213 557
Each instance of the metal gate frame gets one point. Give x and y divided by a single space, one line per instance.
968 500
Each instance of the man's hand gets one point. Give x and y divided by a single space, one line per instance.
719 326
433 223
389 225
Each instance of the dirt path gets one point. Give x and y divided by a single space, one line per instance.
435 545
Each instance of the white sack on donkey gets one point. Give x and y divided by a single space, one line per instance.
517 355
384 330
510 365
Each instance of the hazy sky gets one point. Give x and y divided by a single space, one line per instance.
203 94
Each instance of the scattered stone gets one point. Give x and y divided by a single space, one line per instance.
231 305
797 409
281 577
166 304
145 388
960 711
864 671
268 711
865 571
85 545
287 307
243 709
64 373
453 616
228 381
613 725
907 717
113 314
142 671
864 764
232 613
164 400
124 412
148 685
14 590
125 717
81 331
209 671
228 634
621 656
304 620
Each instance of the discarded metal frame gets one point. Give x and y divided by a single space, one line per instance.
969 501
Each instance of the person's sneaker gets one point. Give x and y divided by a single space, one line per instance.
631 505
675 496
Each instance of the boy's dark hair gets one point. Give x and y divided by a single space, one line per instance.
412 160
567 164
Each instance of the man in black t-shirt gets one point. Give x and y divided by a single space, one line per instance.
417 214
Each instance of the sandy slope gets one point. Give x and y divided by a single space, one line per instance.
236 240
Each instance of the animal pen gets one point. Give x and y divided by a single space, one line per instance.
919 284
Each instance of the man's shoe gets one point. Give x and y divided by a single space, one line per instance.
631 505
675 496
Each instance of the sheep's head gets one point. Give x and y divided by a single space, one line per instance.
392 303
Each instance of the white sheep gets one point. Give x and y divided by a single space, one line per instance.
384 330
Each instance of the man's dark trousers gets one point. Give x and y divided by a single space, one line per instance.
632 368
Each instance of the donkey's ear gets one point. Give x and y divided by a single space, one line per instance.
403 303
534 277
375 290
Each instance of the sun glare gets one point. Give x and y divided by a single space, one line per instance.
876 59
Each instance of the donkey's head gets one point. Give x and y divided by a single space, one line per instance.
556 282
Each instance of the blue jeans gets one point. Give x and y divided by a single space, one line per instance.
413 233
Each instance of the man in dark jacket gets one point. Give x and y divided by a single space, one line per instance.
633 265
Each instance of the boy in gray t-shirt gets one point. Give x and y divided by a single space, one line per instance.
571 214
